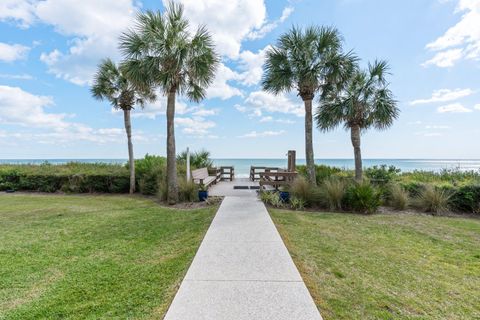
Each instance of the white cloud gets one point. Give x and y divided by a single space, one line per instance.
462 41
477 107
22 76
197 126
21 108
229 21
94 27
12 52
271 119
251 65
437 127
453 108
260 101
268 27
444 95
221 88
19 11
201 112
255 134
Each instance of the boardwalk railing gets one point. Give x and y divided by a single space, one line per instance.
255 171
277 179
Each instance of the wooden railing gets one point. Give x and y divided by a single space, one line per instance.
227 173
255 171
277 179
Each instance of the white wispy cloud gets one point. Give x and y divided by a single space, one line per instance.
27 110
272 119
462 41
12 52
259 102
444 95
269 26
22 76
453 108
255 134
477 107
197 126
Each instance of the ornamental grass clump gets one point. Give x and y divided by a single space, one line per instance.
362 197
302 189
433 200
398 197
332 192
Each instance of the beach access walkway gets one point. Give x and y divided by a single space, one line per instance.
242 270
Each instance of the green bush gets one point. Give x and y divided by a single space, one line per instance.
297 203
150 172
198 159
382 175
271 198
434 200
362 197
322 172
70 177
466 199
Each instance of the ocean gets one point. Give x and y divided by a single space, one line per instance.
242 166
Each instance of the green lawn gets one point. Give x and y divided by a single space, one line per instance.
79 257
386 266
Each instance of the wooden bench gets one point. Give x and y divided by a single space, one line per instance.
202 177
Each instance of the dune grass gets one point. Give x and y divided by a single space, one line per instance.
386 266
93 257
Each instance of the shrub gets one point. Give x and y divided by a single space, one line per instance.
322 172
187 191
434 200
398 197
362 197
198 159
382 175
150 172
297 203
271 198
332 193
466 199
70 177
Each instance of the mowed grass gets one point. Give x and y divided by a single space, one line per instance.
93 257
386 266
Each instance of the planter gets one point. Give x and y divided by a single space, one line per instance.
285 196
202 195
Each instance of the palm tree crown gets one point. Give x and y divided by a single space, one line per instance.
306 61
161 50
110 83
364 101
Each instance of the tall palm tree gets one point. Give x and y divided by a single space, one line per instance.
306 61
363 102
110 83
162 52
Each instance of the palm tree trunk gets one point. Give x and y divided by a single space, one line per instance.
309 142
131 160
172 187
355 135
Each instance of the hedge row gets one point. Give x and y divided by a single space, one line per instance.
72 177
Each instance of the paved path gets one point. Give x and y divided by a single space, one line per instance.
242 271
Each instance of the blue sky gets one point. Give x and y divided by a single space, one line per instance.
49 50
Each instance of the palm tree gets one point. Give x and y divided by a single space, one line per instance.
161 51
363 102
306 61
110 83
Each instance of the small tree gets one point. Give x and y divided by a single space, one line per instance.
364 101
161 51
110 83
307 61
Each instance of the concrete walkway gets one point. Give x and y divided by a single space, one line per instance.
242 271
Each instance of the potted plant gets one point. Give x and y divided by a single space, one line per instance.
284 194
202 193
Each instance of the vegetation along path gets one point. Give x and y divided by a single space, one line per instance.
242 270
